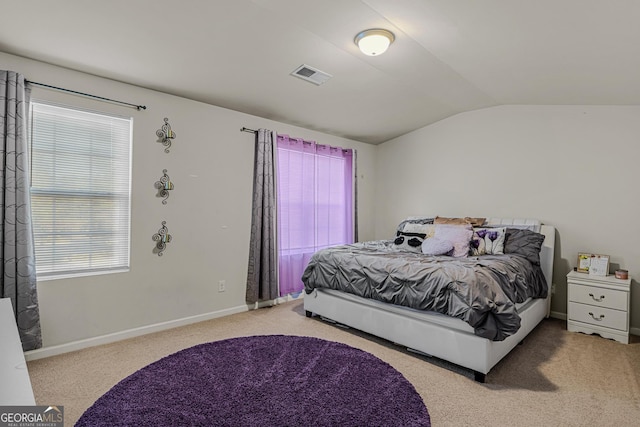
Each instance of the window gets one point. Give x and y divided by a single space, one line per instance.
315 204
80 190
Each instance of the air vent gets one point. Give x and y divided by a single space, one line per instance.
311 74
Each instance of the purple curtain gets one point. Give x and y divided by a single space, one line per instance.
315 204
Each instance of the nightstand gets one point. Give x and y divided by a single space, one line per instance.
598 305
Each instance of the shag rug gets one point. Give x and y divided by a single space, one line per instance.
270 380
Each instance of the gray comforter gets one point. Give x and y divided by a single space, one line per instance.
482 291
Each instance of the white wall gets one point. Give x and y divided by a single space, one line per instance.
574 167
208 213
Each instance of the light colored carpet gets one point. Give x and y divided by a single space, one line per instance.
555 378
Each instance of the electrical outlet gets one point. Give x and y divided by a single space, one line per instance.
553 289
222 286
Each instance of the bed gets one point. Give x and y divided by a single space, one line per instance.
475 337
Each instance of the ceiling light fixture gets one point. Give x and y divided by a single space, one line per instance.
375 41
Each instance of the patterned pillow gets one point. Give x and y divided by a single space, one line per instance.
487 241
414 220
458 235
409 241
427 229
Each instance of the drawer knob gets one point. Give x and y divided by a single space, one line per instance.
597 299
597 318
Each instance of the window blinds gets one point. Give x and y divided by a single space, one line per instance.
80 190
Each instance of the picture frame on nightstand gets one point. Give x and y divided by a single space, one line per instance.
594 264
599 266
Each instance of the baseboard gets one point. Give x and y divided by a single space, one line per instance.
558 315
277 301
55 350
280 300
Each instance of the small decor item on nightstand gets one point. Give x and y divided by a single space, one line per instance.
622 274
599 265
164 186
166 134
594 264
162 237
584 261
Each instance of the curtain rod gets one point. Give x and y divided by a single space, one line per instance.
138 107
244 129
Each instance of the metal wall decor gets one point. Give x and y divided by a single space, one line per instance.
164 186
162 237
166 134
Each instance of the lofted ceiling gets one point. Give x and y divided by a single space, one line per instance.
449 56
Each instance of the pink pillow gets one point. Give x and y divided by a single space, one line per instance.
434 246
458 235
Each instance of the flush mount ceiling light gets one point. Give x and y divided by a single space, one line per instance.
375 41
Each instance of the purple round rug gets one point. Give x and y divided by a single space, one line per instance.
271 380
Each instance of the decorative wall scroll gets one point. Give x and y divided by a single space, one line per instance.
166 134
164 185
162 237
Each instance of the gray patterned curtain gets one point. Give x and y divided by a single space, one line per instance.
17 253
262 281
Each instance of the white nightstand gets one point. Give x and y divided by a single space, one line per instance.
598 305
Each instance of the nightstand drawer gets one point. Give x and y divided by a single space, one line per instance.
600 316
600 297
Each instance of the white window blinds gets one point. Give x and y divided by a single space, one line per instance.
80 190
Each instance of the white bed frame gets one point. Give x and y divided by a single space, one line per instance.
434 334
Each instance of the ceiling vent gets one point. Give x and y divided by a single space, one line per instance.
311 74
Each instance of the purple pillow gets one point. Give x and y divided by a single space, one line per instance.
434 246
458 235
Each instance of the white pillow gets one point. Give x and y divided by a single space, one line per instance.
409 241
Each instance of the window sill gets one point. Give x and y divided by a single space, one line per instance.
78 275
